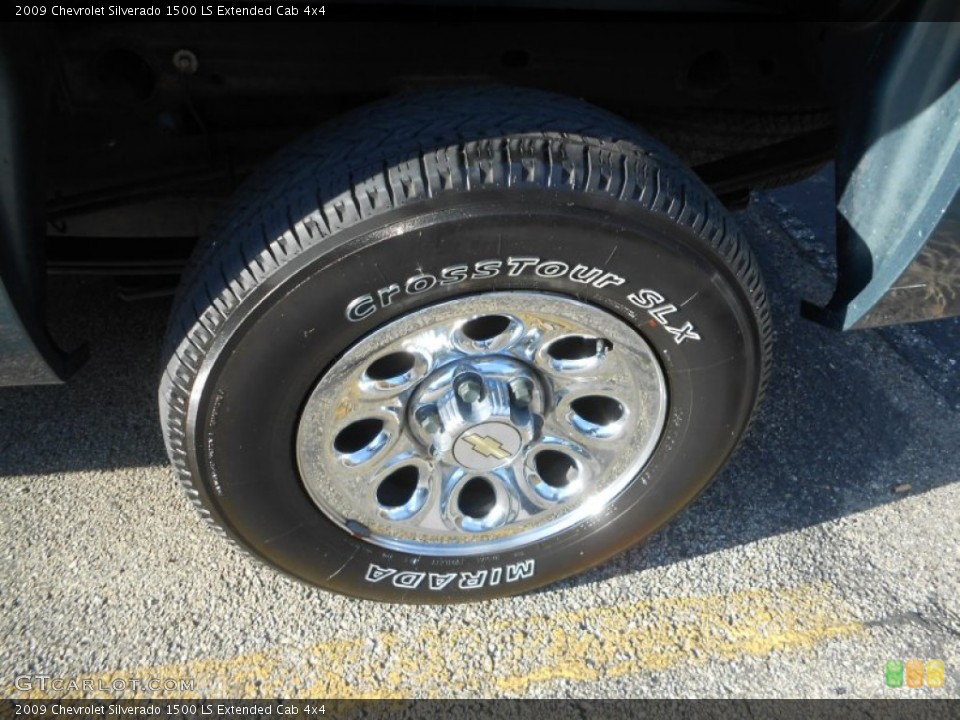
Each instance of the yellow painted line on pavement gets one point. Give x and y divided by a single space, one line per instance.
508 656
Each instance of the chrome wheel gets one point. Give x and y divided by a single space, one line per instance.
481 424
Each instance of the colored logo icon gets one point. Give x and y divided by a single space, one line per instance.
936 672
894 673
914 673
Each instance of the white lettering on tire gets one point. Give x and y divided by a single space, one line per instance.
659 308
408 580
364 306
653 302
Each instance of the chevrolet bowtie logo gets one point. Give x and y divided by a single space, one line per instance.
487 446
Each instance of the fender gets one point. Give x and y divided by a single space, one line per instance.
898 177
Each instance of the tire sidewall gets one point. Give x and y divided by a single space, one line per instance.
273 349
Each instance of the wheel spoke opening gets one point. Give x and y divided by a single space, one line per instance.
398 488
356 436
486 327
393 372
391 367
361 440
487 333
556 474
597 415
555 468
575 352
477 499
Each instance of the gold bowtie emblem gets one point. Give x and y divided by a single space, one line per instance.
487 446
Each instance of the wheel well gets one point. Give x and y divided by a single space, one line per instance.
153 126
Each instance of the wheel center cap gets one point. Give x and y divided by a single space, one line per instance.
487 446
478 413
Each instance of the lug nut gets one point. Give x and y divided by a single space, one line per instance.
429 420
470 390
522 391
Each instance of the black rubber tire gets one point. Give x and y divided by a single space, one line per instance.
410 186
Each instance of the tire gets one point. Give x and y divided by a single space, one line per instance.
391 224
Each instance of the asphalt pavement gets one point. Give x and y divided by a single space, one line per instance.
828 547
